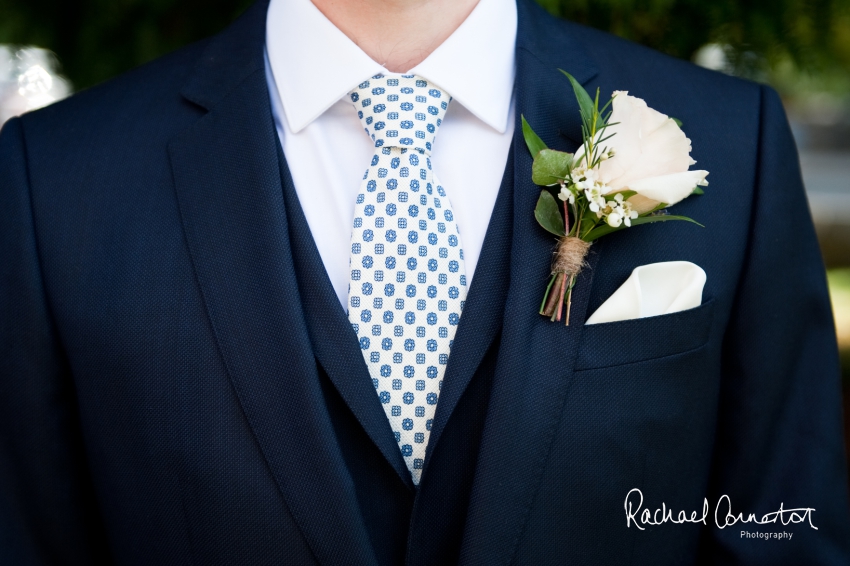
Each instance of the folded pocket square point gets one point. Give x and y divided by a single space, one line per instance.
652 290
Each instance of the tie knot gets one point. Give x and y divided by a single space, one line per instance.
400 110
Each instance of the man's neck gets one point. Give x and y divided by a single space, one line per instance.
398 34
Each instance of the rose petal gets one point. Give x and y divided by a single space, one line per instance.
642 205
664 151
668 189
627 117
651 155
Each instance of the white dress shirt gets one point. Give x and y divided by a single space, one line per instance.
311 68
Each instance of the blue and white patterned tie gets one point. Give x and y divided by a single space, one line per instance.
407 285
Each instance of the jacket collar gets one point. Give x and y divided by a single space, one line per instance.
229 59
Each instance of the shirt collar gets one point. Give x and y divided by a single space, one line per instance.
315 65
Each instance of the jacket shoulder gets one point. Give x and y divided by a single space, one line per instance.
134 97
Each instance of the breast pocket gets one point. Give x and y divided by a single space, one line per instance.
630 341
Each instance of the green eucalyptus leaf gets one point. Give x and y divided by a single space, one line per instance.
550 167
532 140
548 214
585 102
698 191
605 229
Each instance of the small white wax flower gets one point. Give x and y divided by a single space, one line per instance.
628 213
588 175
595 199
584 178
648 153
566 194
614 219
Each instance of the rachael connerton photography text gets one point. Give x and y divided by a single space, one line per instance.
724 515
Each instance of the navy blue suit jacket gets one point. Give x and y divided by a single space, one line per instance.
179 386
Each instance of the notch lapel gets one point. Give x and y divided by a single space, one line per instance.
229 192
482 313
535 366
335 343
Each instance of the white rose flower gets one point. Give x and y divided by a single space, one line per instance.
650 155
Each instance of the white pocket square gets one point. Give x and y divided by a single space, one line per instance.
652 290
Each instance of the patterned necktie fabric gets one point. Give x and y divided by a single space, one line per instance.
407 283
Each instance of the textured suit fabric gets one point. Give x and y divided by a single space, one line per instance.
168 397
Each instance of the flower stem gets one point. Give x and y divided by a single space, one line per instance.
554 295
543 305
561 297
569 298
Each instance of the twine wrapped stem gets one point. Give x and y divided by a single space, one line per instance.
568 261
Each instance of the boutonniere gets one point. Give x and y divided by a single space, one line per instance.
632 165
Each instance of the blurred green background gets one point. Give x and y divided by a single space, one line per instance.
96 39
801 47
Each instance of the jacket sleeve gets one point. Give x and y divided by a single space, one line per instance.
779 438
48 513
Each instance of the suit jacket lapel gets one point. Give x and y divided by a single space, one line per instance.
229 193
536 360
482 313
334 342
